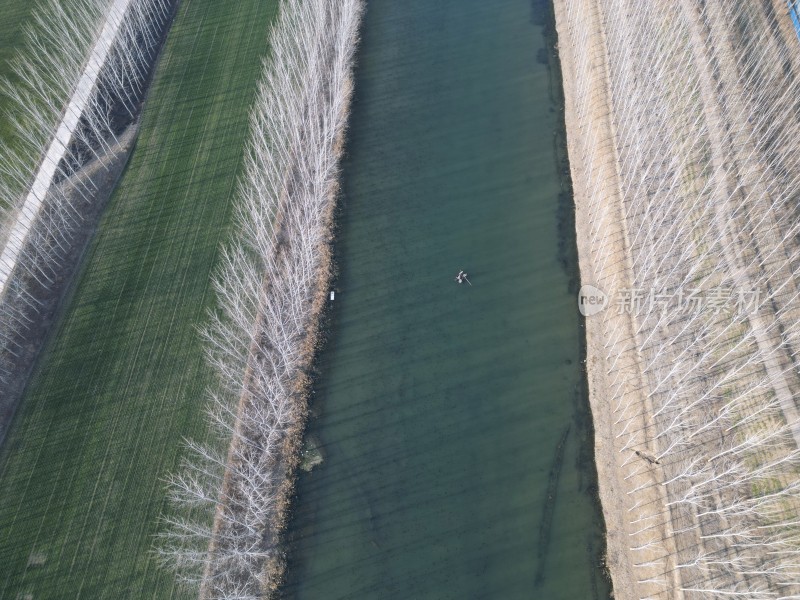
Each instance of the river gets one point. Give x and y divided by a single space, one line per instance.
452 418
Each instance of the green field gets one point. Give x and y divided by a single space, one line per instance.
122 382
15 13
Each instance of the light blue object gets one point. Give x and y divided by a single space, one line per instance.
794 12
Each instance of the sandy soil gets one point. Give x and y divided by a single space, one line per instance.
646 539
612 487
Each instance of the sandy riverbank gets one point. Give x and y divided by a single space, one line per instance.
612 487
682 179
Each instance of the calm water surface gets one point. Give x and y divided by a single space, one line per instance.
452 418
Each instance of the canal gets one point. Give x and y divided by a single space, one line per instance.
452 418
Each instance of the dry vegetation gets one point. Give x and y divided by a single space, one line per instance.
684 126
271 288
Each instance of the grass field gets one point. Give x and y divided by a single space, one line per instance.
15 14
81 471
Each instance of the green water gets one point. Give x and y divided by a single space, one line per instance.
441 408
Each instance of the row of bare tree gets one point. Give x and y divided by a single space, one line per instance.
230 496
79 78
705 149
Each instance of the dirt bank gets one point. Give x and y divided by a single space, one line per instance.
590 151
683 176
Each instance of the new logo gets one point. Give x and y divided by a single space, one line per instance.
591 300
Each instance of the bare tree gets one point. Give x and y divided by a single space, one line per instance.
270 287
80 64
704 156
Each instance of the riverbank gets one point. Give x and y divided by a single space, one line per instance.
682 180
272 286
582 142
